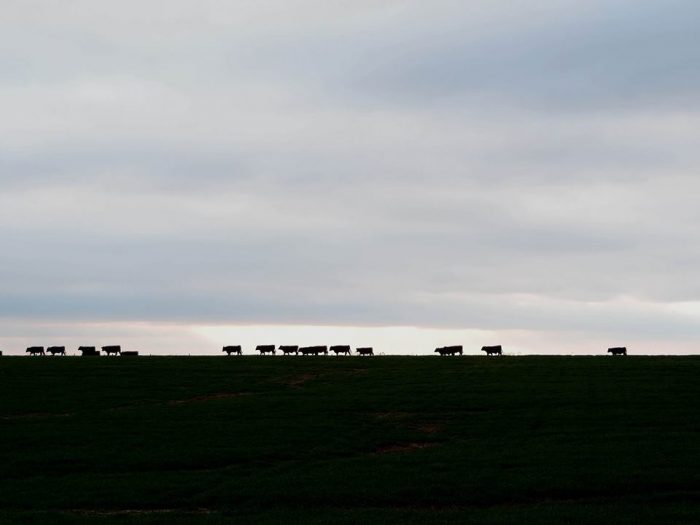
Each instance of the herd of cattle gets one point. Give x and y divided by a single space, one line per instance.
87 351
345 350
367 351
303 350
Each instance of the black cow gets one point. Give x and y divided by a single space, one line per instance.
233 350
130 353
366 350
265 349
313 350
492 350
88 351
0 353
340 349
35 350
114 349
449 350
56 350
289 349
618 350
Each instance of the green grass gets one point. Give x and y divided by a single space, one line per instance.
542 440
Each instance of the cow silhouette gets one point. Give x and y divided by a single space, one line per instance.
56 350
618 350
365 350
449 350
289 349
313 350
88 351
265 349
113 349
130 353
492 350
340 349
233 350
35 350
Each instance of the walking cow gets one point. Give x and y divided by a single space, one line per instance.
449 350
492 350
56 350
340 349
618 350
265 349
113 349
233 350
289 349
313 350
367 350
88 351
35 350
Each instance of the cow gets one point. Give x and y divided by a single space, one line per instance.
618 350
366 350
340 349
289 349
130 353
313 350
88 351
35 350
114 349
492 350
56 350
449 350
265 349
233 350
0 353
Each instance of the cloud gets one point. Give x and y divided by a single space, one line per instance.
502 167
597 56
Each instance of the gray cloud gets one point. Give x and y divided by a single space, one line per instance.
601 56
496 168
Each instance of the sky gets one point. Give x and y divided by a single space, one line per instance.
175 176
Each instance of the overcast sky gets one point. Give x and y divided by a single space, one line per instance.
184 174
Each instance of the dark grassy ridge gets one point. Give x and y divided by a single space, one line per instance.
545 440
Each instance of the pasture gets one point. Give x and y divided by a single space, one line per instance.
213 440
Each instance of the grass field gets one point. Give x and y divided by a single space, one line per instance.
210 440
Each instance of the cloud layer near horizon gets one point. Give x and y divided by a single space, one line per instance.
494 166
